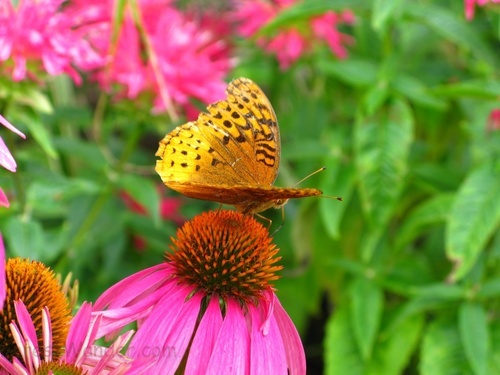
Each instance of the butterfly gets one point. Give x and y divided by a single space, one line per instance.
230 154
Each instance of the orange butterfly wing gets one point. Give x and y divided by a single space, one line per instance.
231 154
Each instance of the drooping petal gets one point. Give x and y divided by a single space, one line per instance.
166 334
11 127
204 339
231 350
78 332
293 346
267 352
6 158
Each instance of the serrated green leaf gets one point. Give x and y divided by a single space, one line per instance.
25 238
432 211
144 192
382 144
441 351
474 217
358 73
366 307
474 332
339 182
341 353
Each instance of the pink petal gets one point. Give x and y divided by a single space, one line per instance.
204 339
231 351
293 346
129 288
267 352
11 127
6 158
3 283
25 323
4 201
78 332
47 334
165 335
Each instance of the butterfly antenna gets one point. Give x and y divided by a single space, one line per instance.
321 196
311 174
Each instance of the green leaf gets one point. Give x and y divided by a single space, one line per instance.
366 311
306 9
144 192
474 217
341 354
39 132
354 72
393 353
49 196
491 288
441 350
382 145
452 28
383 10
431 211
473 326
25 238
339 182
417 92
474 89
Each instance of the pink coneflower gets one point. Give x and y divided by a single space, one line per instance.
6 159
210 308
293 41
161 52
37 36
470 6
81 355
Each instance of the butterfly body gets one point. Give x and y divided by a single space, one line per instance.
230 155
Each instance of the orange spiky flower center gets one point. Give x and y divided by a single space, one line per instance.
225 253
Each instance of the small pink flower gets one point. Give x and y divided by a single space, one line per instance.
210 304
470 6
37 36
178 57
6 159
80 351
290 43
494 120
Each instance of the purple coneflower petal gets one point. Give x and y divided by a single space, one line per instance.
231 351
204 340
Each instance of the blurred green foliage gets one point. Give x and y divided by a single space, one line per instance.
401 277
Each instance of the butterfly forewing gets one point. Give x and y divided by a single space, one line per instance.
230 154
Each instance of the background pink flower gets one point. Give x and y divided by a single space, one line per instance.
293 41
37 36
471 4
175 56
